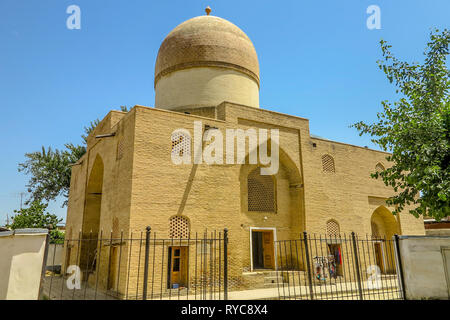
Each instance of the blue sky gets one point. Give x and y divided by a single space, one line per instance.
317 60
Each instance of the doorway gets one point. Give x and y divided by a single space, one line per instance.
91 216
177 267
335 251
379 257
263 255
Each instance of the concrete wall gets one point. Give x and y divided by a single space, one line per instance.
426 266
55 255
21 258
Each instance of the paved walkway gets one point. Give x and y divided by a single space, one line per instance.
340 291
55 288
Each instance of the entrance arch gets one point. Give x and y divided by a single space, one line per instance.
384 226
91 216
283 218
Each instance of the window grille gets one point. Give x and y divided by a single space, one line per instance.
328 163
181 144
379 167
332 228
179 227
115 228
120 149
261 192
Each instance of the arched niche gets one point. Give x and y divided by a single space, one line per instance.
383 227
91 215
288 192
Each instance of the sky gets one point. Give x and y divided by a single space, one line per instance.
317 61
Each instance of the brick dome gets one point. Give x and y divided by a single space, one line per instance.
207 41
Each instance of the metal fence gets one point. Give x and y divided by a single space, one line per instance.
143 266
338 267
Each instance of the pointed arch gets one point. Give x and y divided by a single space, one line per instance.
94 191
384 226
91 215
288 188
290 168
383 223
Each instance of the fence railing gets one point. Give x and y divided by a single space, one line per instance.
338 267
141 266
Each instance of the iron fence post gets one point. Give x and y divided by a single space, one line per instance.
400 266
358 275
308 264
225 264
147 253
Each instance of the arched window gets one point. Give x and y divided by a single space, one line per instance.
261 192
328 163
333 228
179 227
379 167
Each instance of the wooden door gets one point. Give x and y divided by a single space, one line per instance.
379 255
178 265
268 250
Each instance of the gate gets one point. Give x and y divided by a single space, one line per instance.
142 266
339 267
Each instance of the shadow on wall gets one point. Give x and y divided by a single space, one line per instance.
22 256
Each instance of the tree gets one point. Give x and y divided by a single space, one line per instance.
36 216
415 129
50 170
89 129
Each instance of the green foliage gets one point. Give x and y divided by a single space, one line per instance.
56 236
124 109
415 129
50 170
35 216
89 129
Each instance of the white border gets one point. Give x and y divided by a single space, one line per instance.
274 231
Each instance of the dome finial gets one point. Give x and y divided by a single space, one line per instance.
208 10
